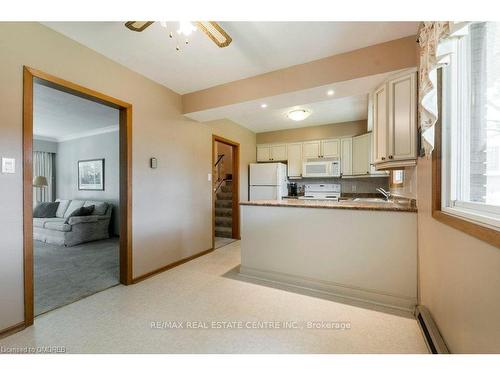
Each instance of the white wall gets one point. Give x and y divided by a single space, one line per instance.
102 146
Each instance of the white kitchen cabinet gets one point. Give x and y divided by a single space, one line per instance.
330 148
346 156
361 154
395 122
380 124
263 153
311 150
294 154
402 134
271 152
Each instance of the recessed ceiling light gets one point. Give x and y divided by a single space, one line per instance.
263 105
330 92
298 114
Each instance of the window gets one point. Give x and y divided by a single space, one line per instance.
470 169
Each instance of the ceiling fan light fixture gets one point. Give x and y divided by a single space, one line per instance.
298 114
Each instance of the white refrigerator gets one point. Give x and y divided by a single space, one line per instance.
268 181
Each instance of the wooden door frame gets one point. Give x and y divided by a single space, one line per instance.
125 133
236 186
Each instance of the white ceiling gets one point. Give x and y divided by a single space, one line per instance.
257 47
60 116
349 103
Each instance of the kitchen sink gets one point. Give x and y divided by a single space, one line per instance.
371 200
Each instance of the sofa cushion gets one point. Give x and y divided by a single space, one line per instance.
82 211
58 225
100 207
63 205
45 209
40 222
73 206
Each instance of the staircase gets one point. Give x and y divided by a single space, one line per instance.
224 210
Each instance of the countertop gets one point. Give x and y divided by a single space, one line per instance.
348 204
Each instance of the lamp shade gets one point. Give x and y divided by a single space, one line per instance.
40 181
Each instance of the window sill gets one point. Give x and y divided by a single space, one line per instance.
481 232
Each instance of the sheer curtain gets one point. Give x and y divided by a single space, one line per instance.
43 165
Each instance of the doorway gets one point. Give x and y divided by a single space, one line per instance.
32 77
225 191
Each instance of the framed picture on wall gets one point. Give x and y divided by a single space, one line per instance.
91 174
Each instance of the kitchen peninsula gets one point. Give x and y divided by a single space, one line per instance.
365 250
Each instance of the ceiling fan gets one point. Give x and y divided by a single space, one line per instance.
212 29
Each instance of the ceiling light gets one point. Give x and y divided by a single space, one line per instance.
263 105
330 92
186 28
298 114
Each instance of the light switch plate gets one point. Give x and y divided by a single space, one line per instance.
210 177
8 165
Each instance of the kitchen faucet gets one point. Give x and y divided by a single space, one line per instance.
386 194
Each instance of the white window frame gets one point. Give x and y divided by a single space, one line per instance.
455 136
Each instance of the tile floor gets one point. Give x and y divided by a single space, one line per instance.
146 318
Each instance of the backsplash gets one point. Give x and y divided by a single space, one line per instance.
362 185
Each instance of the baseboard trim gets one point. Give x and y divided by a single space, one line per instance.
12 329
370 297
433 339
169 266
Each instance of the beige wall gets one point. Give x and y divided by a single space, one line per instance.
310 133
459 278
246 138
380 58
171 204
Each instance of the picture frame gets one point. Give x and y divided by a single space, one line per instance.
91 174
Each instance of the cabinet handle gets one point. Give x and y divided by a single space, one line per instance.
383 158
390 156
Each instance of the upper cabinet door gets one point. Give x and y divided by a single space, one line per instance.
278 152
402 117
330 148
294 153
311 150
361 154
380 124
346 156
263 153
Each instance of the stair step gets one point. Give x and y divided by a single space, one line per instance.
223 211
223 203
223 232
222 195
224 221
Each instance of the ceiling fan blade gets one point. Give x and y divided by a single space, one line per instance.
138 25
215 32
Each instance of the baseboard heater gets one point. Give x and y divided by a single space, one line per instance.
433 338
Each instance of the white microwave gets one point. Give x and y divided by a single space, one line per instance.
324 168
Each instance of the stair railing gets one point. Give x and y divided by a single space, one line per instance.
220 180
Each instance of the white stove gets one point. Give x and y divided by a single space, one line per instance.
329 192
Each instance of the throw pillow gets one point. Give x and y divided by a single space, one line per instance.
45 209
82 211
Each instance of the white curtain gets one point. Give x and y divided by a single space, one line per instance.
434 40
43 165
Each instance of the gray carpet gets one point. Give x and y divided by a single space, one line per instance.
66 274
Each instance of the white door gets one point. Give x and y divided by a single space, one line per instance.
402 117
294 154
264 193
330 148
263 153
380 124
278 152
264 174
346 156
311 150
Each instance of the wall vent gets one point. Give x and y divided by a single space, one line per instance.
433 338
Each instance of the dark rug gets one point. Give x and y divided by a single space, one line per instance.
66 274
